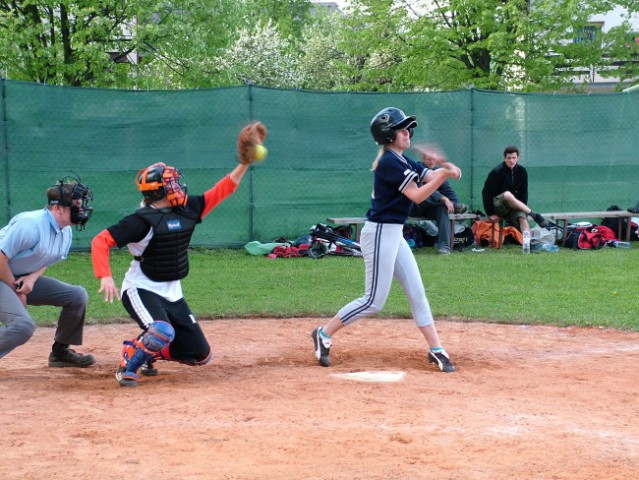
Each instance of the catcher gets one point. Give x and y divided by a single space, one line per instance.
158 236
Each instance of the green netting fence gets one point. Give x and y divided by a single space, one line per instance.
581 151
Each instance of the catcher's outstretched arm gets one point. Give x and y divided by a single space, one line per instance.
222 189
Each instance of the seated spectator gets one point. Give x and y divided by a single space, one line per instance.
448 195
439 205
505 193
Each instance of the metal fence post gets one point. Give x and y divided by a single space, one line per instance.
472 148
251 212
4 148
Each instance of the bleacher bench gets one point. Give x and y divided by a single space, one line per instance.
560 218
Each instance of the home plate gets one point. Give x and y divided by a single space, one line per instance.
372 376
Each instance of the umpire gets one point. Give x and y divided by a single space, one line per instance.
29 244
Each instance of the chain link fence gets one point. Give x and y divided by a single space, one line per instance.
581 151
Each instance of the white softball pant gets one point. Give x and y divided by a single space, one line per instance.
387 256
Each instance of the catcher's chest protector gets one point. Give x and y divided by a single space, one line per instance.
166 256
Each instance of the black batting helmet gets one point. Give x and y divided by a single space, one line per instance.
385 124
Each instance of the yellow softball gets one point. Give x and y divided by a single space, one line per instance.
260 153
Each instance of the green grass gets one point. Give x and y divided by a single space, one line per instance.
566 288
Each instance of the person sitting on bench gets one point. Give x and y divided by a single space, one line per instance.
505 193
439 205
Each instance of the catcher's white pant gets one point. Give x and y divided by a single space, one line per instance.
387 256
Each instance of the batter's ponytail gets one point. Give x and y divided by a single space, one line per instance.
379 155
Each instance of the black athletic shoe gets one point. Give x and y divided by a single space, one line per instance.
442 361
70 358
541 221
460 208
148 369
322 347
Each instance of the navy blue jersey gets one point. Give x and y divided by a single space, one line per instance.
393 174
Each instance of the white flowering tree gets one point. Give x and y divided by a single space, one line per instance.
261 56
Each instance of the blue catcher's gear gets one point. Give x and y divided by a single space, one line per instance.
138 351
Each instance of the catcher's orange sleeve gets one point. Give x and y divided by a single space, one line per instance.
215 195
100 247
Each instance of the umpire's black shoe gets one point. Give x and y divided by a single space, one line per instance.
70 358
322 347
441 360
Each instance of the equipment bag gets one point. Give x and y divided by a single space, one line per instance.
613 223
592 237
463 238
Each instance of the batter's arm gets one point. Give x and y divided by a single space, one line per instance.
435 178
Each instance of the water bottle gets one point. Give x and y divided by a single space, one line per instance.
546 247
525 248
620 244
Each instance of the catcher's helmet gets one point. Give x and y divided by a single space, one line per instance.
159 181
385 124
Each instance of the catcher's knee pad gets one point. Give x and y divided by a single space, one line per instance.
137 352
157 336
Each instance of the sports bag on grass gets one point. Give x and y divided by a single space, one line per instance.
588 236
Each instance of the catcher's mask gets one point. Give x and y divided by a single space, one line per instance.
385 124
70 192
159 181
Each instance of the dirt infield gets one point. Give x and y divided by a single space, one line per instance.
527 403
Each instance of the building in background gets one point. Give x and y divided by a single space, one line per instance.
598 79
330 7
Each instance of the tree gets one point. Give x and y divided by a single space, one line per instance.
620 57
261 56
377 45
213 43
65 42
136 43
449 44
325 62
180 48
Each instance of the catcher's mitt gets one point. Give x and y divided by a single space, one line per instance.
250 136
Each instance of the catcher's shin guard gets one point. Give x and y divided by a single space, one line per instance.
138 351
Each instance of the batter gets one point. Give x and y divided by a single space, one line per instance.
398 183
